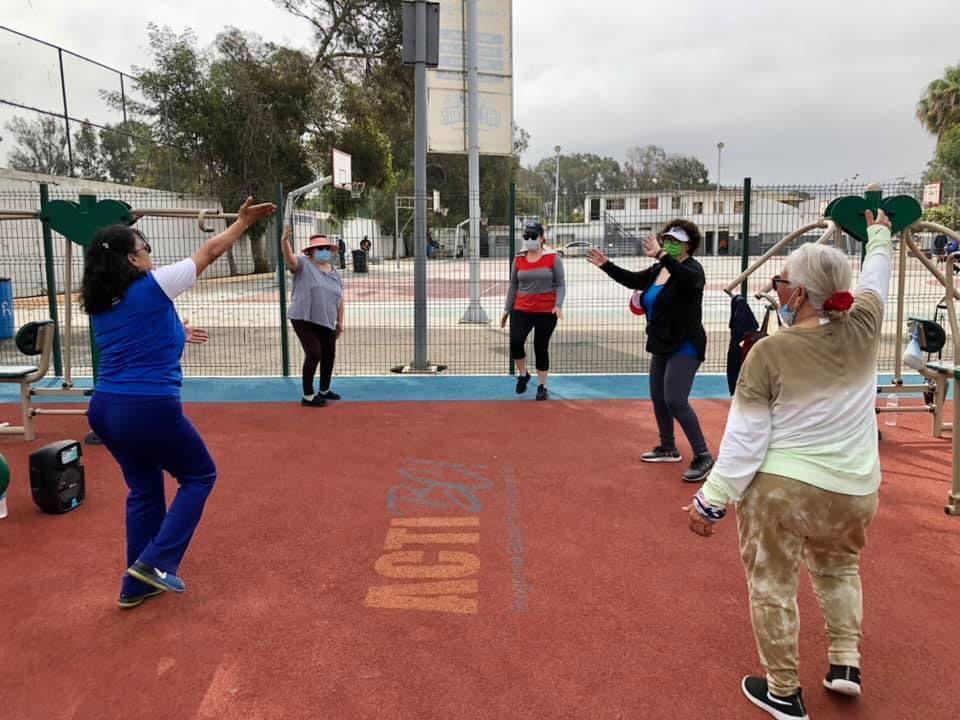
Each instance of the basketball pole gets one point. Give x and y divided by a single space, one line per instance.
474 313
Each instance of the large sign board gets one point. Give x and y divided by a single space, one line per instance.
447 85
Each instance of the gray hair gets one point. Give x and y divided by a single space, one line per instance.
822 271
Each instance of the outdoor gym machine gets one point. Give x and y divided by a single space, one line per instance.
848 213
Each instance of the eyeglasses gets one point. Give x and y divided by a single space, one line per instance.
145 246
778 281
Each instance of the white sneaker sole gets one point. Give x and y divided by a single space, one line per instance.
661 460
844 687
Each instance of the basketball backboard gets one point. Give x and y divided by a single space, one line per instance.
342 170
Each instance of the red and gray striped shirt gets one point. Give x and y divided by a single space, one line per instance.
536 287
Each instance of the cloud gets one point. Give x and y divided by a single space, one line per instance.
799 92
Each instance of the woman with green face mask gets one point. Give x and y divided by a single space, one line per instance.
671 297
316 311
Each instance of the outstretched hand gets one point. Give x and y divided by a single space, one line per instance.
195 336
651 246
249 213
596 257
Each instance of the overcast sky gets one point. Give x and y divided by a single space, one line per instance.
811 92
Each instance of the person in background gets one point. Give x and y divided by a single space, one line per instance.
316 312
365 245
136 410
672 300
800 459
534 302
342 255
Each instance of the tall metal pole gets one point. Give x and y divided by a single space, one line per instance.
716 208
51 280
475 313
745 249
556 196
66 113
282 280
420 194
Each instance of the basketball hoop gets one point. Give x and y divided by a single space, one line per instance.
356 189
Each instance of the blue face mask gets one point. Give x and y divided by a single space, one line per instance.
788 316
324 256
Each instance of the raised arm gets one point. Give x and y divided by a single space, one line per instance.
293 264
875 272
216 246
627 278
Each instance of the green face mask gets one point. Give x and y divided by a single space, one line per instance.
673 248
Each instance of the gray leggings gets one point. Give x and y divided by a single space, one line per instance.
671 378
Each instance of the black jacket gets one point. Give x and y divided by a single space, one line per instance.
679 313
742 321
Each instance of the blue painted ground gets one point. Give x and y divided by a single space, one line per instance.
442 388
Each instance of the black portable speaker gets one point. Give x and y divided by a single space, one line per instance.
56 477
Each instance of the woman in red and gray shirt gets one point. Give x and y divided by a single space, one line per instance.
534 302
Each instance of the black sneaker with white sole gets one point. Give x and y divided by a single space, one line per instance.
700 468
843 679
782 708
542 392
661 455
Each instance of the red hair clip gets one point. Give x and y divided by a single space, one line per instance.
838 302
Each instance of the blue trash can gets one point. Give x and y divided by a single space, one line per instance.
8 328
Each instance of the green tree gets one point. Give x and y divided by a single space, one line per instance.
650 167
236 115
86 153
41 146
939 108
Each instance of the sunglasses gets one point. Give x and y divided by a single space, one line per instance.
778 281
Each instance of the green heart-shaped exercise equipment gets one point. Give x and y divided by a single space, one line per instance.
79 222
850 212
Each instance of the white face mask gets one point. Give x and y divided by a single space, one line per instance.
531 245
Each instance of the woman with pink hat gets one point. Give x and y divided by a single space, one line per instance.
316 311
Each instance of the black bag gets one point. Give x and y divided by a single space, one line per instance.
57 478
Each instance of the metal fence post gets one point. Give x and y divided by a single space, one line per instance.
282 282
51 280
512 215
745 249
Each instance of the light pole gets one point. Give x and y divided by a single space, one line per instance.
716 207
556 195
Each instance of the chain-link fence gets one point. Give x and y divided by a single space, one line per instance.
241 298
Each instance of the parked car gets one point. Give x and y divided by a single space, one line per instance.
577 248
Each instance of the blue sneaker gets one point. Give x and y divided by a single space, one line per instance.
166 581
131 601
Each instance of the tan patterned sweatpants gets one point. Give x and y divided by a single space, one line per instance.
781 521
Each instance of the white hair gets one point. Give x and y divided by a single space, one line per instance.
822 271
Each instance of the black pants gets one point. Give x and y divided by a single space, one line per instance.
320 348
543 325
671 378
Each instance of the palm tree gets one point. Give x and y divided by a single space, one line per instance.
939 108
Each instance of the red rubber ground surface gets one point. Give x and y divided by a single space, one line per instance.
601 605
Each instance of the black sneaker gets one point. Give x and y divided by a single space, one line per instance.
699 469
782 708
843 679
127 602
329 395
522 383
661 454
542 393
317 401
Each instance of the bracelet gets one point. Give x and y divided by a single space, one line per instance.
706 510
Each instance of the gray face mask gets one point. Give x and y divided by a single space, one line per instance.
531 245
